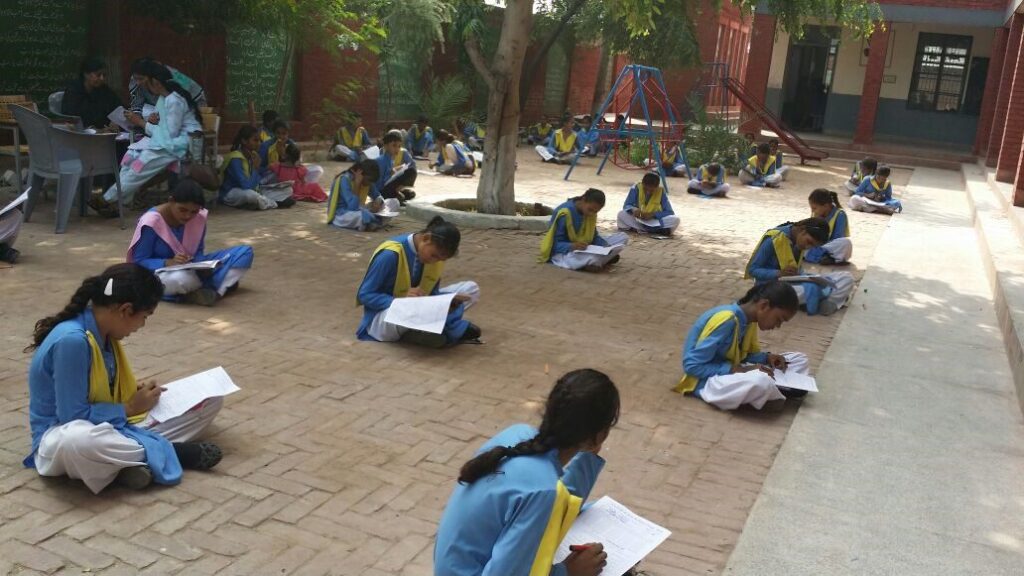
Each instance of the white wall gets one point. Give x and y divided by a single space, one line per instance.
779 53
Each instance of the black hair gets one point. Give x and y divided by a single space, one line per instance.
773 141
188 191
369 168
162 74
244 133
141 65
816 227
582 405
714 168
592 195
292 152
444 235
445 136
392 136
822 196
764 148
651 179
869 165
421 119
269 117
778 294
129 284
883 171
91 64
278 124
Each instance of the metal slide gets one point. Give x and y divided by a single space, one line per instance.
774 123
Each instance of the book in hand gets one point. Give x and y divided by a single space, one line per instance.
595 249
399 170
626 537
795 380
117 118
812 278
183 395
204 265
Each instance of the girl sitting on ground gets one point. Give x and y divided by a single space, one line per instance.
304 185
647 209
350 191
573 227
837 251
240 176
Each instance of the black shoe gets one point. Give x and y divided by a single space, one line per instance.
694 191
408 194
425 339
791 393
134 477
197 455
472 332
8 254
615 260
828 260
286 203
202 297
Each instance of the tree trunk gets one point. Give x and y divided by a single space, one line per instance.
495 193
289 51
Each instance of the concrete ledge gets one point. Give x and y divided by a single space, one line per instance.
424 210
1002 252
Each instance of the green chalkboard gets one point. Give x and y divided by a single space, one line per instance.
42 43
398 94
254 65
556 81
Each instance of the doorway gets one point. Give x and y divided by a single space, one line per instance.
810 68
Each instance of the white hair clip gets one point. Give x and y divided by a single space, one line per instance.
109 290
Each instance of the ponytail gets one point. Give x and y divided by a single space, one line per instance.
823 196
592 195
244 133
778 294
816 227
582 405
118 284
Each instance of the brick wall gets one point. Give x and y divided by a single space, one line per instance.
759 62
992 86
533 108
585 68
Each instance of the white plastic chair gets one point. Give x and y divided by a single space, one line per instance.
55 101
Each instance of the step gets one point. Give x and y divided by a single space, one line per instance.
999 227
896 160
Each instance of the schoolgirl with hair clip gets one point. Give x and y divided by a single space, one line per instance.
88 415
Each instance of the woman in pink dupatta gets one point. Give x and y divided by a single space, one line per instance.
171 235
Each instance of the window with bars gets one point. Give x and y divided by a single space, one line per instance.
940 72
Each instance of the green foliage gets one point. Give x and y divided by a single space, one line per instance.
414 27
444 100
640 152
712 139
334 111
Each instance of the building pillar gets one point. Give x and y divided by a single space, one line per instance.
878 47
992 84
1018 184
995 139
1013 130
762 42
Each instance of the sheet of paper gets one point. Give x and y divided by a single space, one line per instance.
871 202
118 119
182 395
544 153
799 278
372 152
796 381
595 249
426 313
397 173
478 156
626 537
650 222
427 172
140 144
16 202
204 265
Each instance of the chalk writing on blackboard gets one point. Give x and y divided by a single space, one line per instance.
44 41
254 62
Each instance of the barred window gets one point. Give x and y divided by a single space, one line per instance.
940 72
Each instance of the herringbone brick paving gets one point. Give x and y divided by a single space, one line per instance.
340 454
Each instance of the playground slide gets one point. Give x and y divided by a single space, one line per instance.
774 123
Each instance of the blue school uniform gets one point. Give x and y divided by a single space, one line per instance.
350 200
376 292
633 201
559 143
58 383
462 157
840 228
562 243
705 176
758 170
778 161
238 174
494 526
764 267
386 164
705 358
588 138
265 150
869 186
419 142
151 252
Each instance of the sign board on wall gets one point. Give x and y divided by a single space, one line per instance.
43 43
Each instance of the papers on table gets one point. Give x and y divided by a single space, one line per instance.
426 313
117 118
372 153
795 380
204 265
16 202
626 537
182 395
595 249
397 173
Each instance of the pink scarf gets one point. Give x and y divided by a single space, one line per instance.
194 229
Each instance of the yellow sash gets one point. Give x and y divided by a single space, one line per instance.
349 139
563 514
832 223
564 144
264 135
403 275
231 156
272 155
668 155
332 204
99 380
543 130
705 176
738 350
586 234
874 185
397 160
762 168
783 251
652 204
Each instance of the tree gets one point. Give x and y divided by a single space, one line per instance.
629 25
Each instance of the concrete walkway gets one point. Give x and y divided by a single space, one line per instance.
911 459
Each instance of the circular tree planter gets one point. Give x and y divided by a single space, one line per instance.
532 217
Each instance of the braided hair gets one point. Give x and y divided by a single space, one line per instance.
815 227
583 404
778 294
824 196
129 284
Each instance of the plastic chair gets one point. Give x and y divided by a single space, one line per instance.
53 157
97 155
55 101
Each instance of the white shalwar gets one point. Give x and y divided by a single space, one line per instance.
627 221
756 388
842 286
385 332
96 453
769 180
841 249
719 190
573 260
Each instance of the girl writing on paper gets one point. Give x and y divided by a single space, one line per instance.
780 253
304 186
573 227
875 194
722 360
174 233
87 413
410 266
347 206
518 497
647 209
240 176
837 251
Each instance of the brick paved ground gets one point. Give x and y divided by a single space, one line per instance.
341 454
